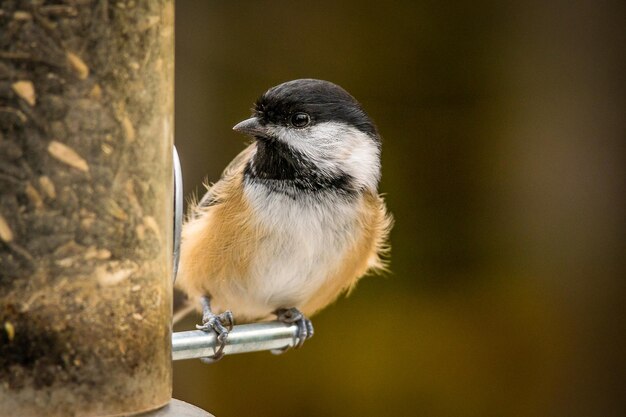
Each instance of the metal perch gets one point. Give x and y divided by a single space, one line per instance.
241 339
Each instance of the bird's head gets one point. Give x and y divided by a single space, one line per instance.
313 127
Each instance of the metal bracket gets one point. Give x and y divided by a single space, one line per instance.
178 209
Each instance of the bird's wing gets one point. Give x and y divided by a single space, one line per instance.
212 196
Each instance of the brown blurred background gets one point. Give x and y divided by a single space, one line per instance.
503 164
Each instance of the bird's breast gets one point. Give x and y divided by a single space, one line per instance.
303 243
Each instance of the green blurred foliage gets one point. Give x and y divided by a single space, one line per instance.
503 164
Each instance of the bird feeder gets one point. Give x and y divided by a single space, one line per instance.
86 118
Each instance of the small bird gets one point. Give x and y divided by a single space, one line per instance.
296 218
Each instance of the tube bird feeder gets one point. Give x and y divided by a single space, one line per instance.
86 118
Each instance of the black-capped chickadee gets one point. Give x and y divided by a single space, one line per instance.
296 218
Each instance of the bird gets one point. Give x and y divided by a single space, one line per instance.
295 219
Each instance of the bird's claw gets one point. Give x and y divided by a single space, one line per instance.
305 326
221 324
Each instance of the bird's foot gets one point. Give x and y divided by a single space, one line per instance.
220 324
291 316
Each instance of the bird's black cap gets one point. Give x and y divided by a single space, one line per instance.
322 100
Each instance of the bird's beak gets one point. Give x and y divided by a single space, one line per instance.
250 127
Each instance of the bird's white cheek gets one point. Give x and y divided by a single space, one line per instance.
354 153
363 162
337 148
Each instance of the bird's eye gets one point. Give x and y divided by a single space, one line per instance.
300 120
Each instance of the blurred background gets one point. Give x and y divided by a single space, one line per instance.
503 164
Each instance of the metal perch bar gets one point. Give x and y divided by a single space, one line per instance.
241 339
